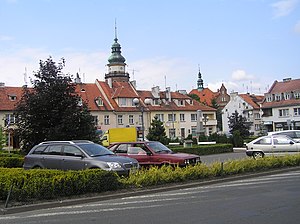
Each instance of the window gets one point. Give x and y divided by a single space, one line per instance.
264 141
297 95
193 117
269 98
182 117
180 102
256 115
277 97
99 101
286 96
9 119
53 150
131 121
120 119
12 97
297 111
95 120
160 117
122 101
71 151
171 117
284 112
156 102
257 127
106 119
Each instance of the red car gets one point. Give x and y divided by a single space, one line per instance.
153 153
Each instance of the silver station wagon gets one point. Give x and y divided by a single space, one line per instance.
77 155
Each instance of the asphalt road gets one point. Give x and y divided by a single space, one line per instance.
269 199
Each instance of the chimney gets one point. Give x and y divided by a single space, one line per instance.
168 94
155 92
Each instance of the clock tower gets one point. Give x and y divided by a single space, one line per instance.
116 65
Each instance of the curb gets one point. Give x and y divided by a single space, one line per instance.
138 192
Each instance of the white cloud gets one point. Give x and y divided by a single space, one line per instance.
240 75
297 27
283 8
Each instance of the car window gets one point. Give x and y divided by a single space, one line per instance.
71 151
53 150
281 140
39 149
95 150
135 151
297 134
158 147
122 148
264 141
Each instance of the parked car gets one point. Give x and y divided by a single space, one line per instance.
77 155
272 145
153 153
294 134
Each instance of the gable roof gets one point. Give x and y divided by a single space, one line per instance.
252 99
206 95
287 85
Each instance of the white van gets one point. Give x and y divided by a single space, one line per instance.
294 134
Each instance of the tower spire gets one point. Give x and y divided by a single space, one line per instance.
116 38
200 80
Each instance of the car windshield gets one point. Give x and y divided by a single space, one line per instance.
95 150
158 147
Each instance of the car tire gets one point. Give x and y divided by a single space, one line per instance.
258 155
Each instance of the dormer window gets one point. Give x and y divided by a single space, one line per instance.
12 97
99 101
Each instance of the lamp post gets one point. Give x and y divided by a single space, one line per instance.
137 103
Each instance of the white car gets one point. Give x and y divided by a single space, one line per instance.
272 145
294 134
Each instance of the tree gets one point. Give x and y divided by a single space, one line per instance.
239 123
194 96
2 138
157 131
52 110
218 113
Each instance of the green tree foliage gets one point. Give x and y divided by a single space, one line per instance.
157 131
2 139
52 110
218 113
239 123
194 96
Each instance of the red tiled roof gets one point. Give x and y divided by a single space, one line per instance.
206 95
5 102
285 86
253 100
89 92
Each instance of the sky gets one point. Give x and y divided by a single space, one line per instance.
244 44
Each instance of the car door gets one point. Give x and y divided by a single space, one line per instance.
51 157
72 158
284 145
264 144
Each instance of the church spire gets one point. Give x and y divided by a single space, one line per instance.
200 81
116 65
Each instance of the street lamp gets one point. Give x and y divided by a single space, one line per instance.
137 103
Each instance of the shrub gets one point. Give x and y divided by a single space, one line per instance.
205 149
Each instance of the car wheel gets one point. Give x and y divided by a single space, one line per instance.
258 155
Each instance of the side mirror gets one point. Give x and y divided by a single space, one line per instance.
149 153
291 142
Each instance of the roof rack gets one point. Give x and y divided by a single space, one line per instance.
70 142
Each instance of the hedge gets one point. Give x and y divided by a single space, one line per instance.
50 184
205 149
